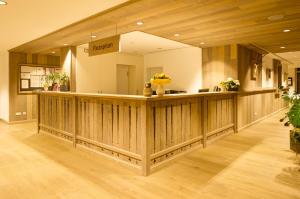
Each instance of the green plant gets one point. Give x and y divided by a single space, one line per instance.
294 115
230 84
64 78
291 97
160 76
54 77
46 82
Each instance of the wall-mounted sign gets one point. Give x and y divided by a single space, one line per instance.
103 46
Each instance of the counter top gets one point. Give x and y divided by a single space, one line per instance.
155 97
135 97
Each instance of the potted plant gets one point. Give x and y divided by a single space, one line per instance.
46 83
230 84
64 82
54 78
294 119
160 80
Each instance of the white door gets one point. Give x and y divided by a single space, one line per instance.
122 79
126 79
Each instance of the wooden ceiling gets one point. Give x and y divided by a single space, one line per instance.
214 22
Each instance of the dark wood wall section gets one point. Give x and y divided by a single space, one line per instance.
249 68
24 103
277 68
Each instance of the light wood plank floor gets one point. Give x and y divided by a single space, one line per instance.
255 163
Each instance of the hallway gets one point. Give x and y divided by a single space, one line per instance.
255 163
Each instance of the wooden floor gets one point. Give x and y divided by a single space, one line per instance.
255 163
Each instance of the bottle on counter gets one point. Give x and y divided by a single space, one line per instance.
147 89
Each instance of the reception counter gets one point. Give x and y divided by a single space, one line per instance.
147 132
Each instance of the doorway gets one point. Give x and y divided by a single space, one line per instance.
151 71
126 79
297 80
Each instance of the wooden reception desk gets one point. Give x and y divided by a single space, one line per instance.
148 132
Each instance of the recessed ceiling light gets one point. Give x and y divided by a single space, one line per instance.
176 35
275 17
93 36
66 44
3 3
286 30
53 52
282 47
139 23
202 43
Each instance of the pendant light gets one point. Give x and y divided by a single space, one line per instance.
2 3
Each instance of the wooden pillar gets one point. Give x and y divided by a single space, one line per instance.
235 113
145 137
68 63
38 112
75 119
204 120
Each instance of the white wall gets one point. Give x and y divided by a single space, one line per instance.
4 86
184 66
99 73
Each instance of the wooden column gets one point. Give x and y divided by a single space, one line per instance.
68 63
75 119
38 113
235 113
145 137
203 114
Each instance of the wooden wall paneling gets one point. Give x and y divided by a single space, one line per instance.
24 103
246 58
68 62
17 103
149 133
218 63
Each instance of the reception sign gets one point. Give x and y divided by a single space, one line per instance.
103 46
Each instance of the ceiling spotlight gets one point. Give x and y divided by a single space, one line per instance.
275 17
202 43
53 52
282 47
3 2
139 23
93 36
176 35
286 30
66 44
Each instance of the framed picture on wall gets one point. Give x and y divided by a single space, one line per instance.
254 71
268 73
290 81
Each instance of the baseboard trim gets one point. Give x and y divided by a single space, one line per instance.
21 121
4 121
260 119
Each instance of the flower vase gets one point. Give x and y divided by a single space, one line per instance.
160 90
